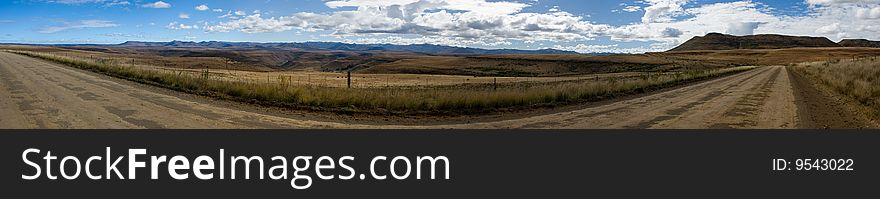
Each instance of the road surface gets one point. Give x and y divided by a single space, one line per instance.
769 97
38 94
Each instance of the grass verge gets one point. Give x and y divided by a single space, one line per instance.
431 101
857 79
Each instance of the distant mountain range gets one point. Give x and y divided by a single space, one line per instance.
718 41
337 46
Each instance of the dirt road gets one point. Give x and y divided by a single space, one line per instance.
37 94
767 97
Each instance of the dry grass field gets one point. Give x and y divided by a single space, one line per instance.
262 60
447 95
858 79
422 84
774 56
217 68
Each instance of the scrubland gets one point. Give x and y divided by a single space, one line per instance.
856 78
427 99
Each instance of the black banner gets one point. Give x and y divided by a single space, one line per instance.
481 163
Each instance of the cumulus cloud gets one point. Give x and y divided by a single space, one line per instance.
477 6
255 24
662 10
835 19
183 16
611 48
438 40
664 24
435 20
202 7
158 4
181 26
123 35
632 8
107 3
829 29
78 25
742 28
117 3
671 32
838 2
868 13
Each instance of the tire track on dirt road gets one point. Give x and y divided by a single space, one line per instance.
761 98
38 94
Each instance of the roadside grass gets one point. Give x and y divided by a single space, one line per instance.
857 78
427 100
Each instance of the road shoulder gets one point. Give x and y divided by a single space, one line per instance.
820 108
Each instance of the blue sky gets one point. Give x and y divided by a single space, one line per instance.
580 25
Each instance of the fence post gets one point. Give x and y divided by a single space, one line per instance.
349 78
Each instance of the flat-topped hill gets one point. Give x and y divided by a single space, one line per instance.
717 41
859 43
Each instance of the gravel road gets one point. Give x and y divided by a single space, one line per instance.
38 94
764 98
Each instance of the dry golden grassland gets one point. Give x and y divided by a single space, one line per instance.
469 99
857 78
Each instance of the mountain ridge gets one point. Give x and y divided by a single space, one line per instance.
859 43
340 46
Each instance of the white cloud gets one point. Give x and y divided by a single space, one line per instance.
868 13
117 3
478 21
183 16
75 1
107 3
838 2
202 7
123 35
742 28
476 6
833 19
180 26
158 4
632 8
227 15
437 40
665 23
611 48
217 10
741 18
78 25
254 24
662 10
240 13
829 29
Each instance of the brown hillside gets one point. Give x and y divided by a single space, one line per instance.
859 43
717 41
774 56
